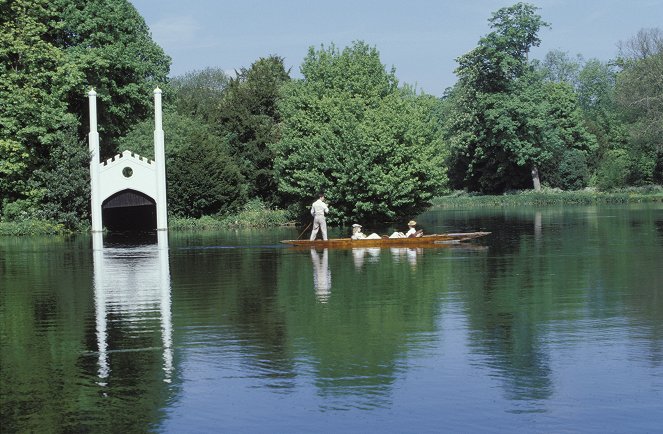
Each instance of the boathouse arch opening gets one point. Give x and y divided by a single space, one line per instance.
129 210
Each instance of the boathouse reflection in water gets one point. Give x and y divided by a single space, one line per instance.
130 282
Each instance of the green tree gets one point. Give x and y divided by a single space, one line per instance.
507 124
248 116
50 53
112 50
198 94
596 95
594 83
559 67
640 96
201 176
349 130
35 81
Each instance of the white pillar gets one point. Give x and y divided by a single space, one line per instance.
93 140
160 160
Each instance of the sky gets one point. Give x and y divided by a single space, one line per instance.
421 39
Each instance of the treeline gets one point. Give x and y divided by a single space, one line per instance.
380 150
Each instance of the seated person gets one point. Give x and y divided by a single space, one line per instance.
357 234
412 232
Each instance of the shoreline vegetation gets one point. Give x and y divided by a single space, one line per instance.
544 197
256 215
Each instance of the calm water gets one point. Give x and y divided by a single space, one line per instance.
554 323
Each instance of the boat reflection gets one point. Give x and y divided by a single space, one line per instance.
365 254
407 254
132 283
321 275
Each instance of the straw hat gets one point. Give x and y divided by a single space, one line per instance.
411 223
356 225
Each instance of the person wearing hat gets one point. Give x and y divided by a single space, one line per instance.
357 234
412 232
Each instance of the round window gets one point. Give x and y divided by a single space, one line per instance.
127 172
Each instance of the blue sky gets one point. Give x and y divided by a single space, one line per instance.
420 38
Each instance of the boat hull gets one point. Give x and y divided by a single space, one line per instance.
423 241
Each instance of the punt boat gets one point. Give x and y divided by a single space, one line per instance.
422 241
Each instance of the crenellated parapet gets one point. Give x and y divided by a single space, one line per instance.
126 154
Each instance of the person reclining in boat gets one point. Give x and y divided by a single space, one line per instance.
411 233
357 234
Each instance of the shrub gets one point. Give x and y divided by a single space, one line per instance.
613 170
571 173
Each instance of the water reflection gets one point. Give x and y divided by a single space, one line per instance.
364 254
410 255
321 275
131 284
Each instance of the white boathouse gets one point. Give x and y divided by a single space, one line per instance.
128 191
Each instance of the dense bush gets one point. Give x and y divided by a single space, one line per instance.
349 130
613 171
203 180
571 173
255 213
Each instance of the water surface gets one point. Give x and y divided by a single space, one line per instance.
553 323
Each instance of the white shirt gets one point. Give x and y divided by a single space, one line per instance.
412 231
319 208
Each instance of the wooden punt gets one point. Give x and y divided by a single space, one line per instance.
423 241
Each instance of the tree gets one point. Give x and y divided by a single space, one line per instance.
35 80
50 53
559 67
248 117
347 129
198 94
110 46
506 122
640 96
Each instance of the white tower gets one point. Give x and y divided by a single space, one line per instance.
128 170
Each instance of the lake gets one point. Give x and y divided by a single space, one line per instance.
553 323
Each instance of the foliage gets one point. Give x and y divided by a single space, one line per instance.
552 197
571 172
201 176
50 53
64 183
248 117
197 94
349 130
204 181
254 213
35 78
614 170
507 122
31 227
640 95
558 67
111 49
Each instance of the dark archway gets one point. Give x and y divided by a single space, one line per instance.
129 210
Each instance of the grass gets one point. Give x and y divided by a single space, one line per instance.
254 215
31 227
652 193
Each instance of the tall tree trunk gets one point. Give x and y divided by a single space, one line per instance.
535 178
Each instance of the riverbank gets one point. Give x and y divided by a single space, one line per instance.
652 193
255 214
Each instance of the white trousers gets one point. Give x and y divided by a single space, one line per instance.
319 223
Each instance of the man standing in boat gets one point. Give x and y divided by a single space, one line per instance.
318 211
